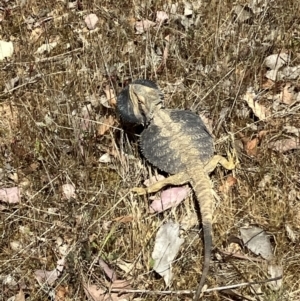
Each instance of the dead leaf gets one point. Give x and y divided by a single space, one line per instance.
110 273
259 110
16 245
105 158
289 73
10 195
169 198
272 75
110 96
128 48
287 95
230 182
188 9
11 84
98 294
9 280
266 180
61 292
144 25
166 247
107 122
161 17
292 130
49 277
290 233
69 191
127 267
46 48
243 13
36 34
121 284
268 84
275 271
85 121
6 49
2 208
277 60
257 241
91 20
261 134
251 147
95 293
285 145
20 296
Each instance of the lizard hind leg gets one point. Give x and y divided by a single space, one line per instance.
177 179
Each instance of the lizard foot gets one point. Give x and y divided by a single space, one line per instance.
139 190
229 163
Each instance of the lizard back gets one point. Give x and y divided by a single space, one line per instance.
174 136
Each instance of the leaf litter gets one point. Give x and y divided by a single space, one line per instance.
188 16
257 241
96 293
166 246
6 49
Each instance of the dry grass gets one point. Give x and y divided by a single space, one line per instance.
215 61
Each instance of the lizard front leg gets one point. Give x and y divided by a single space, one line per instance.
177 180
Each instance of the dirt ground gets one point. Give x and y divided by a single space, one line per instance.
70 227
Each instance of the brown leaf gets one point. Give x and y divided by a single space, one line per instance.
121 284
262 134
287 95
110 273
49 277
61 292
268 84
144 25
98 294
10 195
251 147
107 122
285 145
20 296
230 181
259 110
94 293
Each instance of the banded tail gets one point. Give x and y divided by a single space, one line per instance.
203 191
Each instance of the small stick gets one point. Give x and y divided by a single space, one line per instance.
190 292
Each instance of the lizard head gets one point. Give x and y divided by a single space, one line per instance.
138 101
